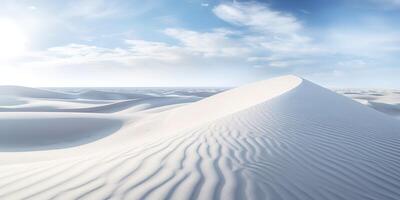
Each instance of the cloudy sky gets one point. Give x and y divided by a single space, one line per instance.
336 43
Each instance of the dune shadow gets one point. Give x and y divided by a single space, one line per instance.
35 134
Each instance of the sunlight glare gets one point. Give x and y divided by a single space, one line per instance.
12 39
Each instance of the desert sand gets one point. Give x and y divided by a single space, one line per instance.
283 138
383 100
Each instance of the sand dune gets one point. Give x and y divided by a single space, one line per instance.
386 101
33 131
284 138
19 91
23 99
103 95
106 107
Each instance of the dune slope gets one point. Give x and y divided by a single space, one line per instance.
287 138
33 131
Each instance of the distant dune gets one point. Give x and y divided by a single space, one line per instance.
102 95
283 138
20 91
386 101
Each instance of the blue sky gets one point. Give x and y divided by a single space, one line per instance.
343 43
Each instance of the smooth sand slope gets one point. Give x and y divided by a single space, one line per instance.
284 138
32 131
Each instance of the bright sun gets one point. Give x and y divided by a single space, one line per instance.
12 39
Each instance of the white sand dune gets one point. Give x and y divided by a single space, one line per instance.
24 99
90 107
19 91
33 131
386 101
284 138
103 95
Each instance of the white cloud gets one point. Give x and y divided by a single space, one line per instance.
260 38
169 20
275 38
278 39
91 9
363 42
216 43
141 49
137 51
98 9
258 17
353 63
387 4
264 46
137 62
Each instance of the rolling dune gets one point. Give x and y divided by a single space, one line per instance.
19 91
284 138
33 131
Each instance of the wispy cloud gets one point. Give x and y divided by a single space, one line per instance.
265 44
101 9
258 17
169 20
387 4
263 37
275 37
243 36
91 9
215 43
136 52
364 42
